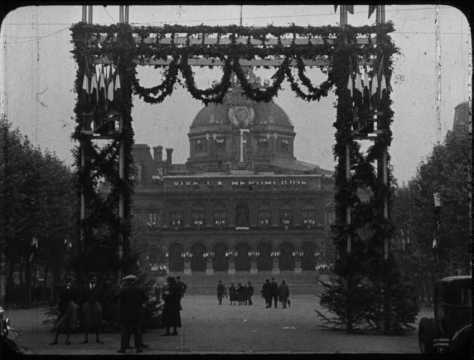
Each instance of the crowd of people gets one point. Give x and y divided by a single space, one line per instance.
131 309
242 294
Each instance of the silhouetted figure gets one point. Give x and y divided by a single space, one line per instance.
232 294
92 310
171 316
67 318
131 301
181 285
284 294
274 292
240 294
249 293
220 292
267 293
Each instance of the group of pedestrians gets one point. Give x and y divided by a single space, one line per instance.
91 307
272 292
240 294
132 300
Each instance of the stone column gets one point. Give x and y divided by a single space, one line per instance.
253 261
187 262
298 268
209 262
276 262
231 254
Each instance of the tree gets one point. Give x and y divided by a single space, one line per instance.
446 171
37 201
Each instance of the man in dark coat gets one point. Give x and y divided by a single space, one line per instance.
240 294
131 302
274 293
171 316
92 310
284 293
266 293
232 293
249 293
67 318
181 285
220 291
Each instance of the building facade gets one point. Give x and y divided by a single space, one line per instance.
241 202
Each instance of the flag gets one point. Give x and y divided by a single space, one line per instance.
435 243
437 199
117 82
94 86
375 84
102 89
85 84
349 84
383 85
110 90
372 9
366 80
358 83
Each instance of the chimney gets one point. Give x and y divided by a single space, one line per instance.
158 153
169 153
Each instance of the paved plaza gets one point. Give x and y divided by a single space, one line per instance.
210 328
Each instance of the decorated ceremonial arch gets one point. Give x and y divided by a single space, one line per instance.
356 60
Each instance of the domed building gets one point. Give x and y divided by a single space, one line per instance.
242 202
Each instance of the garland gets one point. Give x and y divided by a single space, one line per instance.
124 45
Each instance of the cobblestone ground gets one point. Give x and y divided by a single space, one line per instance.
210 328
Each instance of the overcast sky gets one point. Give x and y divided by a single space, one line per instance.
40 75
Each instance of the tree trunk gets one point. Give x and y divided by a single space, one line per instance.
28 283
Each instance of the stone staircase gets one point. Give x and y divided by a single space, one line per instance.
203 284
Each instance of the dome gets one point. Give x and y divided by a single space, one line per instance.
237 109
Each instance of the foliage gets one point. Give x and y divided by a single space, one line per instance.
446 170
36 200
126 45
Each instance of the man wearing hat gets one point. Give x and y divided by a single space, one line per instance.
92 310
131 302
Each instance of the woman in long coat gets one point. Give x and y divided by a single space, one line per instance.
171 316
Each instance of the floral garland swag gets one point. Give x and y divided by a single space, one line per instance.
107 57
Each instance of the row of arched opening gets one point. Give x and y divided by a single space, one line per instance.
242 260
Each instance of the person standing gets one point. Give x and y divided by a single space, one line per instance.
266 293
240 294
67 318
274 293
220 291
131 302
172 307
181 286
249 293
92 310
232 293
284 293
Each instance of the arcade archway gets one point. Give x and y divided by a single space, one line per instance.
220 261
286 259
198 262
176 261
242 260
